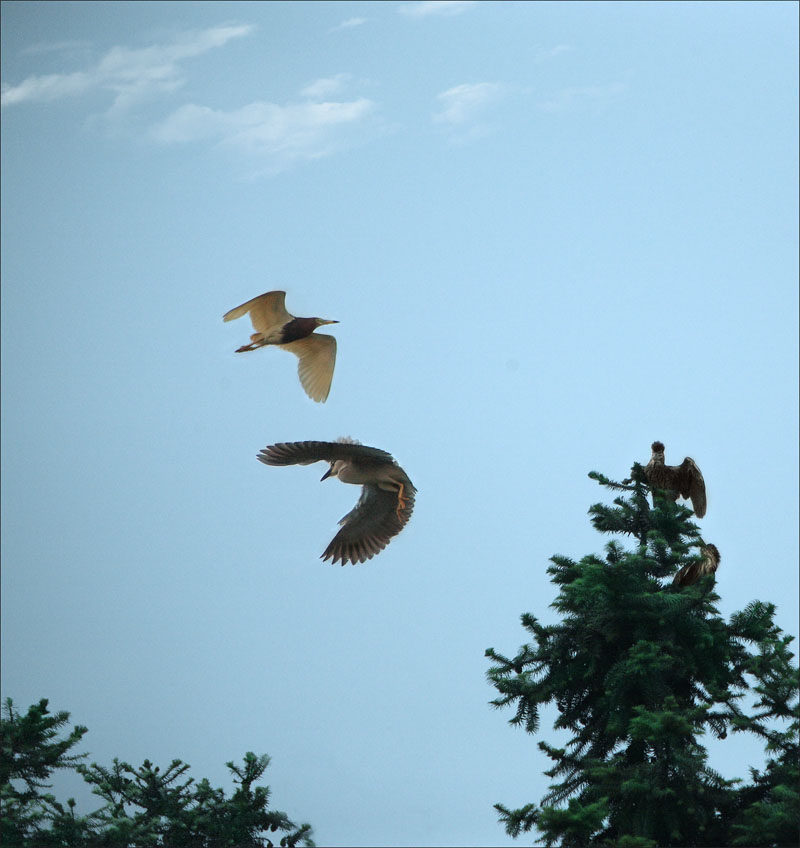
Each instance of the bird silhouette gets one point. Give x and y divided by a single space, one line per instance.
387 494
692 572
684 480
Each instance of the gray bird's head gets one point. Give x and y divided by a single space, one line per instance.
333 471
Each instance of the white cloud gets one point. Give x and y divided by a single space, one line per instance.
464 103
348 24
130 74
326 87
277 135
568 98
542 54
47 87
321 121
435 7
41 47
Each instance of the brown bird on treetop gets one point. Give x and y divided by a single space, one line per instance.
275 326
387 495
674 480
692 572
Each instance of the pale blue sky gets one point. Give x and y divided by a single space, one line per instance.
552 233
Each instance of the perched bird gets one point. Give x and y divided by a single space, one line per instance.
692 572
387 495
275 326
684 479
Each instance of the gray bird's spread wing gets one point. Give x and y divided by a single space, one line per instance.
693 486
316 360
369 527
267 312
304 453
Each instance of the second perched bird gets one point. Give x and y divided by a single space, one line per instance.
275 326
684 479
387 496
691 573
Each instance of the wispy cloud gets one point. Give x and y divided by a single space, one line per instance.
274 135
597 95
130 74
348 24
54 47
462 109
326 87
466 102
543 54
435 7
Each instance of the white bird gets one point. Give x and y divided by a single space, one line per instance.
316 352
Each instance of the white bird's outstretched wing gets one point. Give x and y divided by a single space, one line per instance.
317 358
267 312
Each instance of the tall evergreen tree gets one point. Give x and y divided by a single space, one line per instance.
639 669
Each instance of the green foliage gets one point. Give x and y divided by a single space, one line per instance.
144 807
639 670
31 752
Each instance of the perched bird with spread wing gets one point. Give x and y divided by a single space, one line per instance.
387 495
275 326
692 572
674 480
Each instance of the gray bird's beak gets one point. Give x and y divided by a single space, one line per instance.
326 474
324 321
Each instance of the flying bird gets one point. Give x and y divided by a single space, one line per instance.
692 572
275 326
387 495
684 479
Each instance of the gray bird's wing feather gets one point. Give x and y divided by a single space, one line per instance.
711 559
267 312
687 575
304 453
316 356
369 527
693 486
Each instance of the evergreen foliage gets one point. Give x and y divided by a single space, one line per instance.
144 807
639 671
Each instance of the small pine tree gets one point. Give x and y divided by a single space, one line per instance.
639 670
29 753
144 807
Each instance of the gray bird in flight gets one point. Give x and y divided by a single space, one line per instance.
674 480
387 495
316 352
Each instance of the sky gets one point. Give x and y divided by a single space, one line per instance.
551 233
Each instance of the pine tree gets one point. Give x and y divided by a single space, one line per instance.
30 751
639 670
144 807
